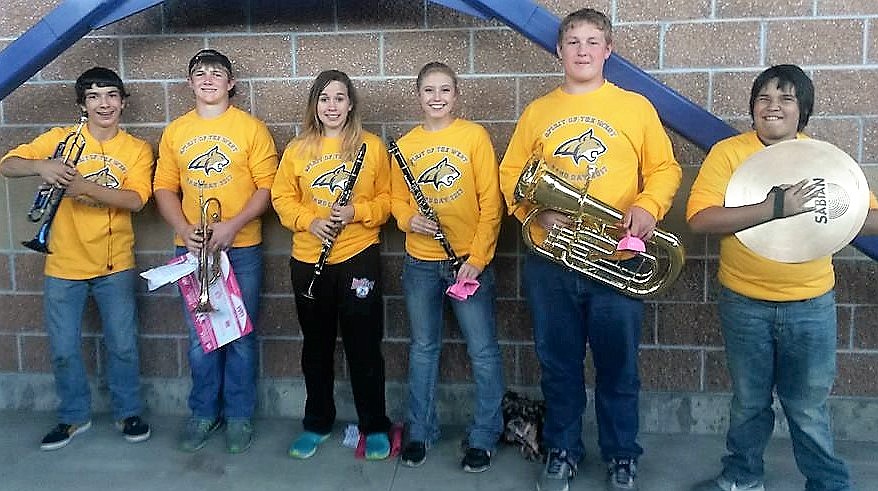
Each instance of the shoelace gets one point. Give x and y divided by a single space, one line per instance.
623 470
556 462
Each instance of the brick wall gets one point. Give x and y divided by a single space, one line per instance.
709 50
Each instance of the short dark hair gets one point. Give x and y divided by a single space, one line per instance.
212 57
589 16
787 76
101 77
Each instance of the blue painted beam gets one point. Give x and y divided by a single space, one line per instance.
684 116
57 31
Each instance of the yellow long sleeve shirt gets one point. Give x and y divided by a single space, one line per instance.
227 157
456 170
610 136
307 186
88 239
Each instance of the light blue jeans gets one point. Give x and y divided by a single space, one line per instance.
789 347
224 380
425 283
64 304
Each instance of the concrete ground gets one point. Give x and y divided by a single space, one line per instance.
100 459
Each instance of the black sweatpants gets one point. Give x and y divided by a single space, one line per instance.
347 296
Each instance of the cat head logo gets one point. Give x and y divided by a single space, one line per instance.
335 179
583 147
211 161
441 174
104 178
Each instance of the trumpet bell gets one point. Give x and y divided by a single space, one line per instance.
591 246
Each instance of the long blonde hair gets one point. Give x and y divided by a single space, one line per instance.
312 127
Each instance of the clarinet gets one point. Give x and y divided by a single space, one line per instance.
424 207
344 197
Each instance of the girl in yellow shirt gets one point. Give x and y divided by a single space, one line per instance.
315 168
454 169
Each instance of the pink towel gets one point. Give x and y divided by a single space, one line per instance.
462 289
631 243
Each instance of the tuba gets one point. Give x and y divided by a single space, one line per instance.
590 247
48 196
209 265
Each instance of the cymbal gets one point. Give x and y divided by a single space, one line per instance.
840 208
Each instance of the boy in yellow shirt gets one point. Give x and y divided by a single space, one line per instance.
92 251
219 151
778 319
593 133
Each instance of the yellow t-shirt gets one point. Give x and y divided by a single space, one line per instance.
88 239
306 188
229 157
611 134
456 170
740 269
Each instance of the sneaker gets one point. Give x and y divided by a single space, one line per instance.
377 446
239 436
476 460
61 435
558 472
621 473
414 454
723 483
133 429
196 433
306 445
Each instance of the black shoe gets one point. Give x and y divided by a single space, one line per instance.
414 454
61 435
622 473
134 429
476 460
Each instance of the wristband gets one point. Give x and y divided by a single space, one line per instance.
778 202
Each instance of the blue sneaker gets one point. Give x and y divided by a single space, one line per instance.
306 445
377 446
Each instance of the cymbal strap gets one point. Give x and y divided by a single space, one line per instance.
778 202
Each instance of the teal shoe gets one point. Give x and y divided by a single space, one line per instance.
377 446
306 445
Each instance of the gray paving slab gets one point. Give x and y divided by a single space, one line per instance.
100 459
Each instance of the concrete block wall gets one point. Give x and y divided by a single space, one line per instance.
709 50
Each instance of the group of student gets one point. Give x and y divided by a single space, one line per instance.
587 130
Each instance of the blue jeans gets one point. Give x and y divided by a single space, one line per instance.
224 380
64 304
569 311
424 283
790 347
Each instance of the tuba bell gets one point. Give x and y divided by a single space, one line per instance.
590 247
209 267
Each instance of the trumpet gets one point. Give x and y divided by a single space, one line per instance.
344 197
590 247
209 267
48 196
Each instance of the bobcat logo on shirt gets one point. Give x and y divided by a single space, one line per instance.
104 178
583 147
336 178
441 174
211 161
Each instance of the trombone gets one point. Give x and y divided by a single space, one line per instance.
209 268
48 196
